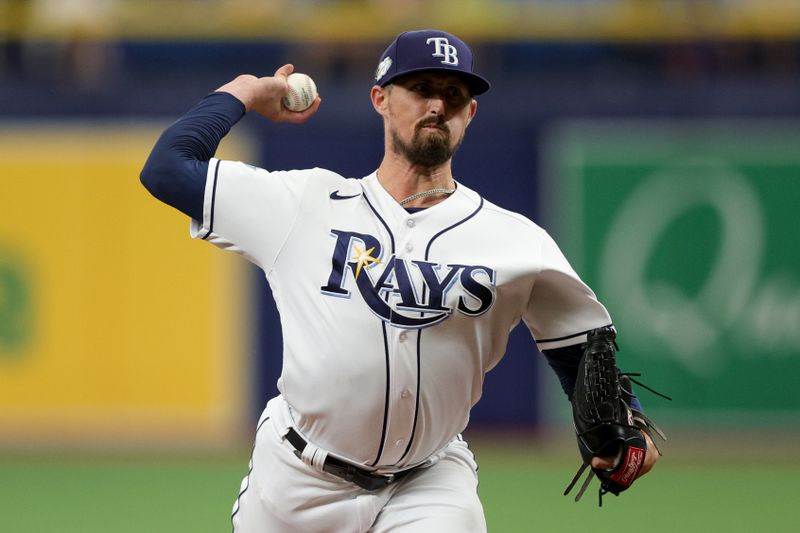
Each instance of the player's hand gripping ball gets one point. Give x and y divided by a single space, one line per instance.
302 92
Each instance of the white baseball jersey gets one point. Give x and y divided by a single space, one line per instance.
390 320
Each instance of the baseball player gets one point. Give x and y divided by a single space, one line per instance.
396 291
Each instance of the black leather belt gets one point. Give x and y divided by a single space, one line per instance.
363 478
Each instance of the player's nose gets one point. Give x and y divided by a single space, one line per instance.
436 105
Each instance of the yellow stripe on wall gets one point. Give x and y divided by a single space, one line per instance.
354 21
118 327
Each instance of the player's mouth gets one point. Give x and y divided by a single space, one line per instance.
433 131
433 125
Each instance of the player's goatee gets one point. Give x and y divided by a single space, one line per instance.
427 149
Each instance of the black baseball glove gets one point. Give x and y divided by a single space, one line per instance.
605 423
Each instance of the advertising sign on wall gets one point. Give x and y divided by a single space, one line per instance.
688 232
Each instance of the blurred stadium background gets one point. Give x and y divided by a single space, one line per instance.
657 139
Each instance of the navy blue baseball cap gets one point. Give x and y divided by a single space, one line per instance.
429 51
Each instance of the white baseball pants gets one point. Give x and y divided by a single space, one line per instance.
282 494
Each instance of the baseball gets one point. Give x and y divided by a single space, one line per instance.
302 92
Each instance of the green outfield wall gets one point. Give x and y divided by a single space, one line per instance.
688 232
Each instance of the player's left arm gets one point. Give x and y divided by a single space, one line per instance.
564 361
561 309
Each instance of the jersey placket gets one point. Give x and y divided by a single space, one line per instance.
403 361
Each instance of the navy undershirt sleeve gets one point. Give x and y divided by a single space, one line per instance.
175 172
564 361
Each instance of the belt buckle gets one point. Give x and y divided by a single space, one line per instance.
389 478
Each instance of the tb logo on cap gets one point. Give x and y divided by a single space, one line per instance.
444 49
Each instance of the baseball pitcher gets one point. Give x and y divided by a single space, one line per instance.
397 292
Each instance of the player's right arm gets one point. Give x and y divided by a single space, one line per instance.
176 170
264 95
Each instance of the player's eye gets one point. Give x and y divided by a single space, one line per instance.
421 88
456 95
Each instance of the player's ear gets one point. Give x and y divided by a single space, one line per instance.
473 108
380 99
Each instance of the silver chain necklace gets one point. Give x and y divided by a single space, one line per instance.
427 193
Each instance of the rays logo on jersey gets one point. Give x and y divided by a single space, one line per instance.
407 293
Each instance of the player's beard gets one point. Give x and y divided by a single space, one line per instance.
427 149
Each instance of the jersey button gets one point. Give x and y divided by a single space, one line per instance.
402 337
409 247
399 442
410 223
405 394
